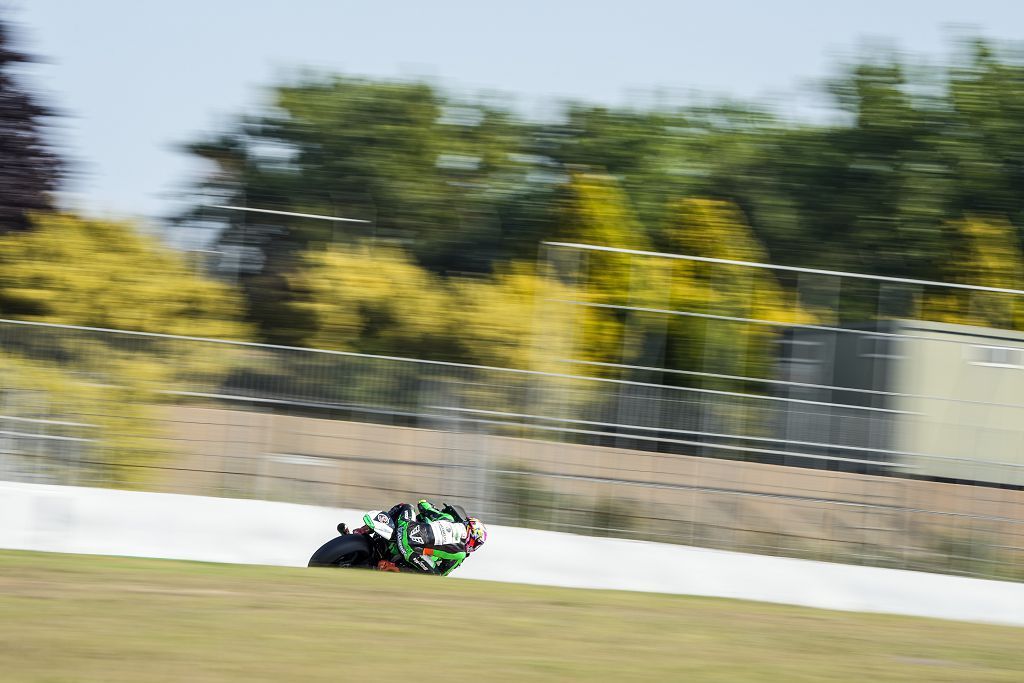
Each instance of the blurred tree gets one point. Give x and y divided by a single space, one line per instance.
494 319
123 440
989 255
103 273
371 300
716 229
427 171
659 153
593 209
29 171
466 187
984 138
913 149
864 194
502 320
400 154
377 300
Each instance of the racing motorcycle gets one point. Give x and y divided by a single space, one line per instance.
370 544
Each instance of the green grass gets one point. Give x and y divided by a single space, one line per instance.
86 618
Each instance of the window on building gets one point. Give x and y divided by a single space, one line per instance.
801 350
878 347
997 356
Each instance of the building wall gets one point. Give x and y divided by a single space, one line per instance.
850 421
958 406
974 425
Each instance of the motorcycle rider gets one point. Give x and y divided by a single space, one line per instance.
431 540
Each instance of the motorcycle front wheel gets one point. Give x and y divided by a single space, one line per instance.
350 550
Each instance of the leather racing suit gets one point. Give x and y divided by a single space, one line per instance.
430 540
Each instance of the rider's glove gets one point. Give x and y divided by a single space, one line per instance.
386 566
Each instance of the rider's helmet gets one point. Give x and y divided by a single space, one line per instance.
476 534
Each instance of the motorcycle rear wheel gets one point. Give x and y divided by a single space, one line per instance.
350 550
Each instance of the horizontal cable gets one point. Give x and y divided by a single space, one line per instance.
701 444
782 382
288 213
37 420
50 437
795 269
776 323
740 437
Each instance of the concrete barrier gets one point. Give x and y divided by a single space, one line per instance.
108 522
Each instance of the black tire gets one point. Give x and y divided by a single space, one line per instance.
351 550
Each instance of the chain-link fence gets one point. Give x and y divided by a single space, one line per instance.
810 470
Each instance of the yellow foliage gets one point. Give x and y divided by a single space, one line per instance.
712 229
716 229
986 253
373 300
518 319
107 274
378 301
597 212
494 318
122 438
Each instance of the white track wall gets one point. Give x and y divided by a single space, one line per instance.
108 522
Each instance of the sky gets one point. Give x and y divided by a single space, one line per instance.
135 80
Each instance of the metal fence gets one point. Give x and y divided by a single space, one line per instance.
778 464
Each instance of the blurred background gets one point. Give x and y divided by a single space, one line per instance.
757 287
